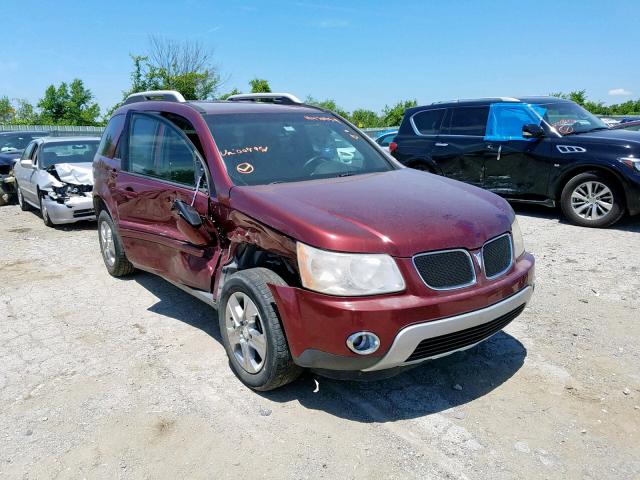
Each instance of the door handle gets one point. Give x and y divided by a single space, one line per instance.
440 144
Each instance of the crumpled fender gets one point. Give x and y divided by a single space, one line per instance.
46 181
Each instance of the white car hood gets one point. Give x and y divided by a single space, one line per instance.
75 173
72 173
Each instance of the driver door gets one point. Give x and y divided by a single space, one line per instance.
161 166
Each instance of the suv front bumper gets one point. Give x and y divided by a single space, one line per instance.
317 325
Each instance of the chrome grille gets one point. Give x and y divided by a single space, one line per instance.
497 256
445 270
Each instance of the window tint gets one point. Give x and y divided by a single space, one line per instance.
158 150
110 136
468 121
428 122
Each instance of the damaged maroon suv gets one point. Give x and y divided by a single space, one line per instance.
317 249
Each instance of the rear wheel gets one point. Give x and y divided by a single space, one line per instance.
591 199
251 332
111 247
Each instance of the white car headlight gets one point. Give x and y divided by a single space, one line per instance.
348 274
518 241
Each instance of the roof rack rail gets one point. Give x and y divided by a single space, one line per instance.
282 98
458 100
155 95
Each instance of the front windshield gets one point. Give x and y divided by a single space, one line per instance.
67 152
16 142
569 118
264 148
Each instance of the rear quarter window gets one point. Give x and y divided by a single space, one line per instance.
428 122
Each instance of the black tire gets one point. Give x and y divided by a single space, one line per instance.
278 368
45 215
421 166
616 211
120 265
24 206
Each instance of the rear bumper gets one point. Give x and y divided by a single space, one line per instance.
317 325
72 210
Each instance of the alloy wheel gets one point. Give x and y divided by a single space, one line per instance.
245 332
108 246
592 200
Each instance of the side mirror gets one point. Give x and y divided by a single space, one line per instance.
531 130
188 213
26 163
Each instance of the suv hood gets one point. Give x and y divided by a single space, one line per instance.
605 136
9 158
400 213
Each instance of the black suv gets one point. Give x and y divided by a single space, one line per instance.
538 150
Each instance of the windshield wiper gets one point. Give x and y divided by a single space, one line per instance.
346 174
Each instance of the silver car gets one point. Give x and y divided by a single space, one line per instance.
55 175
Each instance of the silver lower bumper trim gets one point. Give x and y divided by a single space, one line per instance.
408 338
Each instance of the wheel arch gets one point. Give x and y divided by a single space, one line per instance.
562 181
422 161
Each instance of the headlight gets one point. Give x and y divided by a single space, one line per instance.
518 241
631 162
348 274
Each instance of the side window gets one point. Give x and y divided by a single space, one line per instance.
28 152
506 121
110 136
157 149
468 121
428 122
177 158
142 144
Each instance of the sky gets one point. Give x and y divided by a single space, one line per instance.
362 54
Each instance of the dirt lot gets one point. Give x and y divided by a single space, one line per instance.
106 378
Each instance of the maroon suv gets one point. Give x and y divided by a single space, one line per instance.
317 249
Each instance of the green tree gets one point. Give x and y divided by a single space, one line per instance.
69 105
169 65
224 96
25 113
363 118
392 116
328 104
7 112
259 85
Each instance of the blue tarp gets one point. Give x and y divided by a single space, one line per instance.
507 119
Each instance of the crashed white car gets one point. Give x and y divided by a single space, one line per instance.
55 175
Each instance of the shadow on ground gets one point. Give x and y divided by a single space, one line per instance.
426 389
627 224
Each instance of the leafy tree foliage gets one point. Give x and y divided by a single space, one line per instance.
392 116
259 85
630 107
363 118
68 105
7 112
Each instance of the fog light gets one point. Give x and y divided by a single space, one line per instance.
363 343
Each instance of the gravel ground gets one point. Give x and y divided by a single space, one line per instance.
107 378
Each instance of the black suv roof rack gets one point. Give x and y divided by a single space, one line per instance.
459 100
155 95
281 98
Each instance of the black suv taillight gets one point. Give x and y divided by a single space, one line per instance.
393 146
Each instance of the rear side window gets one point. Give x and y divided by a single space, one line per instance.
110 136
428 122
158 150
468 121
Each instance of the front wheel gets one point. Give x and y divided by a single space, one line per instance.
591 199
45 213
24 206
251 332
111 247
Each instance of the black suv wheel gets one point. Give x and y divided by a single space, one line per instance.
591 199
251 332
